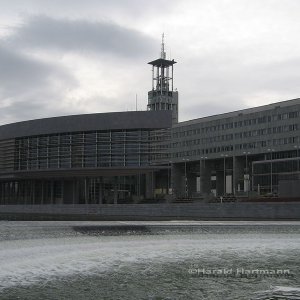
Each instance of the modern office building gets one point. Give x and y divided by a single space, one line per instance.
129 157
253 151
96 158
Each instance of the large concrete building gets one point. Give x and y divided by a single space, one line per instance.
248 152
97 158
129 157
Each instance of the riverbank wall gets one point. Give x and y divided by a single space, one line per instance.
161 211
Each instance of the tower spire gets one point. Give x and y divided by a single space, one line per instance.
163 53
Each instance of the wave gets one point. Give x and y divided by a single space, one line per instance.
29 261
278 292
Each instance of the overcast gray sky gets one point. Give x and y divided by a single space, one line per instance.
60 57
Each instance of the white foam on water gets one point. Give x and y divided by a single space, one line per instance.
279 292
285 289
24 262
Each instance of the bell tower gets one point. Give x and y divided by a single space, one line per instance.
162 96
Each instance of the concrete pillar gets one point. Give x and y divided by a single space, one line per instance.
238 172
205 177
12 200
234 184
178 180
192 172
149 185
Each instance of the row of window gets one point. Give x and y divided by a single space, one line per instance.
86 138
85 149
238 135
237 124
277 167
268 143
197 152
242 146
264 131
57 162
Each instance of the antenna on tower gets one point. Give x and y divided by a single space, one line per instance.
163 53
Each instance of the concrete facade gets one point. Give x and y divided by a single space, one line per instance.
231 145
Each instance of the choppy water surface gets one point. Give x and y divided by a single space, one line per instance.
160 260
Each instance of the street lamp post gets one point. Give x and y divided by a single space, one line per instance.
271 182
169 176
247 179
224 157
185 177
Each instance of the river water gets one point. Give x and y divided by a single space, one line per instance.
149 260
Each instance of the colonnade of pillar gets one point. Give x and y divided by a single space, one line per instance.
206 177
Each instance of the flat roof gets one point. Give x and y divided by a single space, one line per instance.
160 62
88 122
241 112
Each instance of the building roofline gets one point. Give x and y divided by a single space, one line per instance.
88 122
240 112
69 116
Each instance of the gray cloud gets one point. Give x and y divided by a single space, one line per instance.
26 88
40 103
220 85
135 8
29 86
19 72
229 56
44 32
26 108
